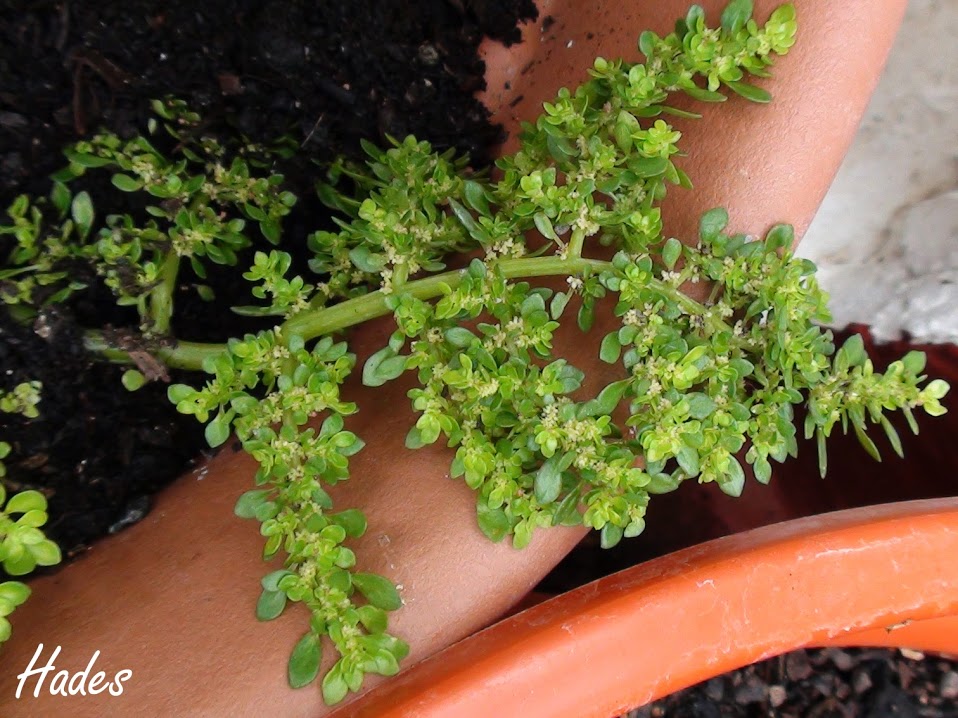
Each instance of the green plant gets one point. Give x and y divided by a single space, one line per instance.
23 546
699 380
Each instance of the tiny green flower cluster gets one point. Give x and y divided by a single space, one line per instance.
23 546
699 387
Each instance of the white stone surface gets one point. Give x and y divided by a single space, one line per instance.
886 237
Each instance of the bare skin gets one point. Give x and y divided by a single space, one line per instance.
172 598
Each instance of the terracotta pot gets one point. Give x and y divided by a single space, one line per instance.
172 598
881 575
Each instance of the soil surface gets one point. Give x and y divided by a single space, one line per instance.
324 74
825 683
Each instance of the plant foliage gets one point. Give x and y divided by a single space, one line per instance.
704 389
23 546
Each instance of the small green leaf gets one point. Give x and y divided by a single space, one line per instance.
703 95
893 437
762 469
353 522
83 159
649 166
132 379
414 439
460 337
179 392
271 230
671 252
662 483
609 398
750 92
867 443
688 459
270 605
391 368
217 431
371 375
567 511
82 211
476 196
610 349
271 581
733 482
468 221
586 316
304 661
700 405
822 453
548 481
374 619
914 362
26 501
736 14
14 592
712 224
366 261
60 197
558 304
248 504
610 535
647 42
492 522
937 389
334 685
125 183
46 553
781 236
544 225
378 590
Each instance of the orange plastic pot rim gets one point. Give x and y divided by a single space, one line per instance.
853 577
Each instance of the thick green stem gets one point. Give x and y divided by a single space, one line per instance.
185 355
576 243
369 306
161 297
319 322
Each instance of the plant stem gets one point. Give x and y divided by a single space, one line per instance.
318 322
369 306
185 355
576 243
161 298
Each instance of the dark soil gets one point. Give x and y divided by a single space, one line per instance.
824 683
324 74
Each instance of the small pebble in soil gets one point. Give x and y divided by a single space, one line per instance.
777 695
840 659
752 691
715 689
948 688
861 681
797 666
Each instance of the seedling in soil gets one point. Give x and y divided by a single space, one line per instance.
23 546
